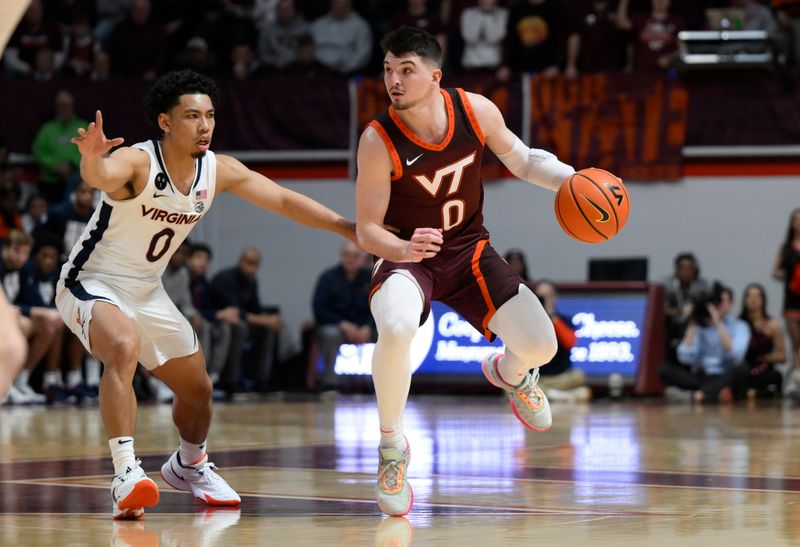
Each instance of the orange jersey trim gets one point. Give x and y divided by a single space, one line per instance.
448 103
373 291
473 120
476 271
398 166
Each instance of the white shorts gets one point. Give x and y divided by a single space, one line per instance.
164 332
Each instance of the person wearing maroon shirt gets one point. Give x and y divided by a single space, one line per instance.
419 201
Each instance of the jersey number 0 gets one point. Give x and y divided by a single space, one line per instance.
153 252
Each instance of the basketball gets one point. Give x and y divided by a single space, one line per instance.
592 205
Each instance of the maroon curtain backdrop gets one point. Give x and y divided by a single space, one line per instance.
730 108
631 124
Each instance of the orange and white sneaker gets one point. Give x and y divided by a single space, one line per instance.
529 403
200 479
131 492
393 491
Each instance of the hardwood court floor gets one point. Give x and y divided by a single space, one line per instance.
628 473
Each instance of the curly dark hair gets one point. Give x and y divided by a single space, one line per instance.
166 92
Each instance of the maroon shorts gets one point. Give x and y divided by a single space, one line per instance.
474 281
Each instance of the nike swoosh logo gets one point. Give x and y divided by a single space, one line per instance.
176 473
123 442
604 216
411 162
157 195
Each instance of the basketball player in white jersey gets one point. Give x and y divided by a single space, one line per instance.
110 293
12 343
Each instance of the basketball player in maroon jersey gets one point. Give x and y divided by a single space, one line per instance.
419 203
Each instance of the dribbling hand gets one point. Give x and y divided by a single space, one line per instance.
92 141
425 243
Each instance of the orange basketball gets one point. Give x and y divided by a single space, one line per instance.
592 205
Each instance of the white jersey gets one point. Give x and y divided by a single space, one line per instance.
135 238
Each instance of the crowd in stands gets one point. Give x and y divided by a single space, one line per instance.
242 39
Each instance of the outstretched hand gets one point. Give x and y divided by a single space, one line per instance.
425 243
92 141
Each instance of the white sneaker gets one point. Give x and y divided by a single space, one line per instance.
131 492
393 491
200 479
529 403
31 396
16 396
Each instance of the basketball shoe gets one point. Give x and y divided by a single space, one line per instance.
393 491
200 479
528 402
131 492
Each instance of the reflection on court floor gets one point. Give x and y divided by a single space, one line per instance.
608 474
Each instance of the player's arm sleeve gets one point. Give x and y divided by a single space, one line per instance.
536 166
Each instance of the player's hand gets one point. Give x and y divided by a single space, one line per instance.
92 141
425 243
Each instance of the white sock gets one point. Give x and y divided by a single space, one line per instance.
191 453
92 371
74 379
510 370
52 378
393 437
396 307
122 454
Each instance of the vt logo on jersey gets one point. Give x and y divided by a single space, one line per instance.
452 210
455 169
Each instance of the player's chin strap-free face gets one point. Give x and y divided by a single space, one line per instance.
536 166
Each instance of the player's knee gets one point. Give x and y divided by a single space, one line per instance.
538 348
203 389
123 351
398 330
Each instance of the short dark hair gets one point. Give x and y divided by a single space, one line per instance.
408 40
167 90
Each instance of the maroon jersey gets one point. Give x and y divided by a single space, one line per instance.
437 185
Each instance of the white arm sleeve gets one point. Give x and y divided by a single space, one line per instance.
536 166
